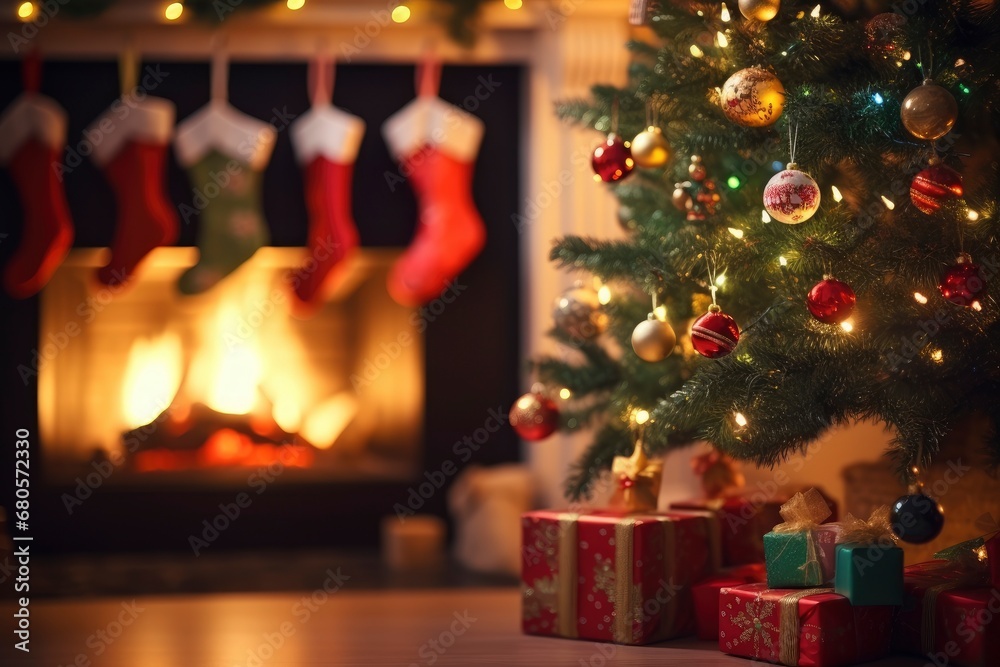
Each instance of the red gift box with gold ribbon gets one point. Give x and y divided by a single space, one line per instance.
613 576
951 612
811 627
706 595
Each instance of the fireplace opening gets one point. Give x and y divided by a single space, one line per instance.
199 389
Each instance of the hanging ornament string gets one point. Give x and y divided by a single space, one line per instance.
614 115
710 264
793 143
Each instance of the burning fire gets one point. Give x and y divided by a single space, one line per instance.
152 378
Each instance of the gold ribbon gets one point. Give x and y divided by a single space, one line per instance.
623 626
802 514
668 618
567 585
788 625
928 619
637 481
876 529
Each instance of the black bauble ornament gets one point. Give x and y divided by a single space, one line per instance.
917 518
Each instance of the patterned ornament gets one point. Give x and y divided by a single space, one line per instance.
578 312
534 416
929 111
963 283
884 34
916 518
612 160
650 148
753 97
699 197
935 185
759 10
831 301
791 196
714 334
653 339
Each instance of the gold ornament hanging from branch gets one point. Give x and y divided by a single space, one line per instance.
753 97
929 111
759 10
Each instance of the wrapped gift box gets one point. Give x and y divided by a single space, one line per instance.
706 596
812 626
789 564
612 576
870 574
948 617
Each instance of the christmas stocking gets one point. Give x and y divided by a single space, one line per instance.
32 141
436 144
133 157
225 152
326 142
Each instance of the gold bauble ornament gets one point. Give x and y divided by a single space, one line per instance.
578 312
650 148
759 10
653 339
753 97
682 199
929 111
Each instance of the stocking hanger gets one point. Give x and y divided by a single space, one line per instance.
321 74
128 67
220 68
428 74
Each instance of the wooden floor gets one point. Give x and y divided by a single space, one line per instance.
463 627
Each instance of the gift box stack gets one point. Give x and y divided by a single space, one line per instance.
830 595
623 574
951 607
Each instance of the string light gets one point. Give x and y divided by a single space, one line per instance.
604 295
837 197
401 14
26 11
878 98
724 14
720 279
906 55
972 215
919 298
295 4
740 420
937 355
964 88
173 11
696 52
734 182
722 40
565 393
660 313
764 217
782 261
640 416
512 4
847 325
888 203
815 12
738 233
976 306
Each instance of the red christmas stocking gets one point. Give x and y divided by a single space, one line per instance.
326 142
134 158
436 144
32 141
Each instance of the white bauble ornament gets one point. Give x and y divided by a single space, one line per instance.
791 196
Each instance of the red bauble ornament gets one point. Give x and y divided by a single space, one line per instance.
831 301
963 283
534 416
714 334
612 160
935 185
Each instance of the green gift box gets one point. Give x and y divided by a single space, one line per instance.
869 574
793 563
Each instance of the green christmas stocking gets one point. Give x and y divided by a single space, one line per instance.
232 224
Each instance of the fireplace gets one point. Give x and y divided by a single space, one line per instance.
196 390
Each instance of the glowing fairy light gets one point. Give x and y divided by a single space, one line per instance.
724 14
937 355
295 4
888 203
720 279
740 420
512 4
604 295
764 217
815 12
837 197
401 14
782 261
696 52
877 97
173 11
738 233
25 11
565 393
847 325
640 416
972 215
919 298
976 306
660 313
721 39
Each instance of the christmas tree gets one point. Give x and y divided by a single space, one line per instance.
828 183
